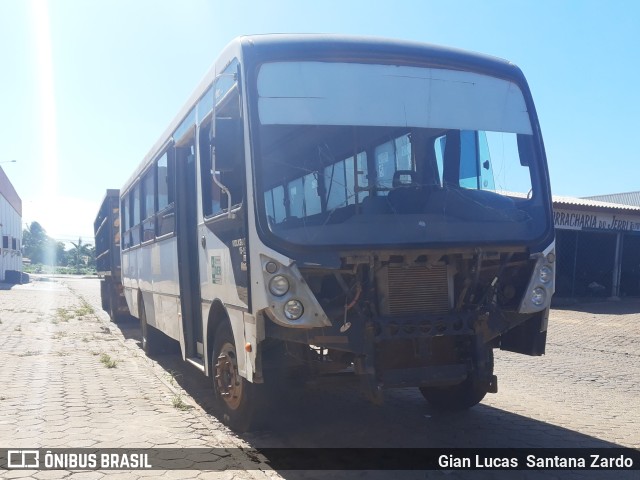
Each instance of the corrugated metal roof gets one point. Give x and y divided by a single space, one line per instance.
588 202
559 200
628 198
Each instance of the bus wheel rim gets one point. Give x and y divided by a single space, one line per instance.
228 381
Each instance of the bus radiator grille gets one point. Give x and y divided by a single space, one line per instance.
417 289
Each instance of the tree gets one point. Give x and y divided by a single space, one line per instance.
42 249
92 256
38 246
80 255
61 254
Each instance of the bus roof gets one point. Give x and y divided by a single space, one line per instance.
363 47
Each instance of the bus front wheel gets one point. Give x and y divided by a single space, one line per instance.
466 394
235 396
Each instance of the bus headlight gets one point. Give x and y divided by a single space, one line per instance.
286 298
293 309
538 296
542 283
279 285
271 267
545 274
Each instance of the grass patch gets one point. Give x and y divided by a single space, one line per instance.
179 404
85 309
63 315
107 361
172 377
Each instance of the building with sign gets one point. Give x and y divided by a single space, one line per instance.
597 246
10 227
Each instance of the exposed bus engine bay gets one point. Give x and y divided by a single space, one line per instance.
411 318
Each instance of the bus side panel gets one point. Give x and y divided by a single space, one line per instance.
149 306
217 277
166 288
251 336
129 280
236 317
168 318
218 282
135 277
145 273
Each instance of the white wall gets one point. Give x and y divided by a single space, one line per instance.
11 225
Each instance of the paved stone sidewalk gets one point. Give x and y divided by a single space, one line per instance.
589 379
69 380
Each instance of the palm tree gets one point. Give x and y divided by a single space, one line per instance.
80 253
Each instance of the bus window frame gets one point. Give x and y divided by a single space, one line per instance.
149 217
168 211
224 104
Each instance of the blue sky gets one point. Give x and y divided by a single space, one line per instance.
87 87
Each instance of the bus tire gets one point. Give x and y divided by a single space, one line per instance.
114 304
104 295
466 394
150 340
235 397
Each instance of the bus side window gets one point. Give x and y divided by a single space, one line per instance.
229 161
390 157
165 220
135 215
225 166
148 205
210 191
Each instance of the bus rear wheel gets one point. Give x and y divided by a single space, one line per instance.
150 339
114 302
466 394
235 396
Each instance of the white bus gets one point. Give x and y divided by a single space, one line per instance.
328 205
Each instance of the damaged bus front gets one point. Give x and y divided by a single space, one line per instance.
403 207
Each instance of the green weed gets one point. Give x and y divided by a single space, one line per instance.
178 403
107 361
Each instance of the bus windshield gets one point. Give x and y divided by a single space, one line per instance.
363 154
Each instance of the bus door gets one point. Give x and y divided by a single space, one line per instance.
188 269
